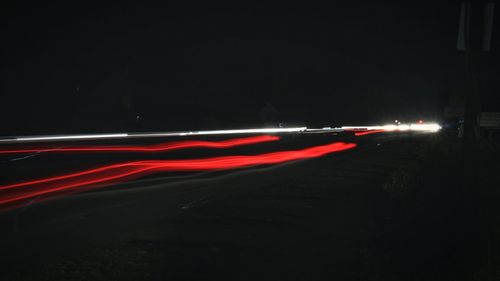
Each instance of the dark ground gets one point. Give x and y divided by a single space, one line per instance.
392 209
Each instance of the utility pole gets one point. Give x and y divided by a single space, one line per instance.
473 47
478 211
471 95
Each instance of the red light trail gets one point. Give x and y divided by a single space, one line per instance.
369 132
81 181
153 148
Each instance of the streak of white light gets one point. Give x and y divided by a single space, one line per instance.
249 131
148 135
70 137
429 127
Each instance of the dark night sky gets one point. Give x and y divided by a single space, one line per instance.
94 68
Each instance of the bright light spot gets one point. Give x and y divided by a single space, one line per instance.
388 128
428 127
403 128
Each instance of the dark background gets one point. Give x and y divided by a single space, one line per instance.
70 68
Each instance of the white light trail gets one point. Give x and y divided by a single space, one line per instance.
149 135
247 131
68 137
429 127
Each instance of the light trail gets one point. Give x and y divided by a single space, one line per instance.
25 139
17 193
363 133
431 127
419 127
65 137
153 148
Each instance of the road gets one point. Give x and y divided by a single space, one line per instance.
313 219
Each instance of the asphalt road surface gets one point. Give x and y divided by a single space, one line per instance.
326 218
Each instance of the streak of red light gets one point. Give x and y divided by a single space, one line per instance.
16 193
153 148
363 133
